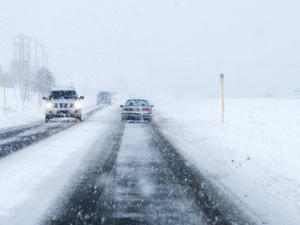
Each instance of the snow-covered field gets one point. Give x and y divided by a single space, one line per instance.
254 156
16 115
256 150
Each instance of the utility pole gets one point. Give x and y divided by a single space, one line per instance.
22 43
43 56
23 89
36 65
35 57
47 57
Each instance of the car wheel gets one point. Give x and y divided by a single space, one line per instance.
47 119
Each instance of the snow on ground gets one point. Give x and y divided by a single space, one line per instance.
16 116
258 143
254 155
32 178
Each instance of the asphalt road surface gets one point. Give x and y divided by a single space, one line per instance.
133 186
139 178
16 138
142 189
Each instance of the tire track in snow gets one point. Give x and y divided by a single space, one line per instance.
15 139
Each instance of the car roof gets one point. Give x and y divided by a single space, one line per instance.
136 99
63 88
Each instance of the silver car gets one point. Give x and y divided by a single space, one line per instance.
137 110
63 102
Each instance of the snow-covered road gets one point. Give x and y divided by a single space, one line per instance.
33 178
144 190
251 158
135 187
15 138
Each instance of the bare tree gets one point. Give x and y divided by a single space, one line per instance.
44 81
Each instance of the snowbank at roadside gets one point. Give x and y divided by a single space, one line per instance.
259 143
16 116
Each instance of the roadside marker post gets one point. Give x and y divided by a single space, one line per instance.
4 81
222 86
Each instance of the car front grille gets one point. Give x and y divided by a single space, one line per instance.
63 105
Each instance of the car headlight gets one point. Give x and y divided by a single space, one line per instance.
49 105
77 105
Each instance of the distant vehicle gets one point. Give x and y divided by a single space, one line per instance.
104 97
114 95
137 110
63 102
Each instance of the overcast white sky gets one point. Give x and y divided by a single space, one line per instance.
163 48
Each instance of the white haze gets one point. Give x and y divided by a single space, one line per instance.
167 48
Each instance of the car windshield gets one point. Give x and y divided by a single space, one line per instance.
134 102
63 95
103 94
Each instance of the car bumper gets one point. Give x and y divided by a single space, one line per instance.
68 112
137 116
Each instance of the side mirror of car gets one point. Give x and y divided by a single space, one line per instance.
44 98
152 105
81 97
121 106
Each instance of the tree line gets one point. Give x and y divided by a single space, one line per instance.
26 75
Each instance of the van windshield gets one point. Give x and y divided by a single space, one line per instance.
63 95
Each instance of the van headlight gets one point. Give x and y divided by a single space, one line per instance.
78 105
49 105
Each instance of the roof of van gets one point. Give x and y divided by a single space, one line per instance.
63 88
